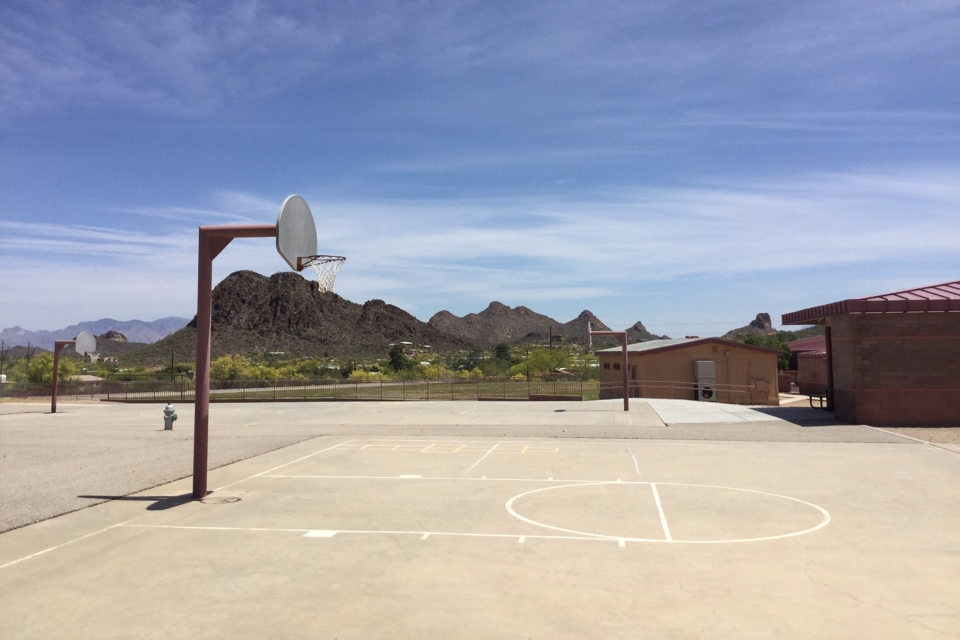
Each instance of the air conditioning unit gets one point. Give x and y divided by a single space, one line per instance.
705 374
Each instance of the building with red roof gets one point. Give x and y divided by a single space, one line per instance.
892 359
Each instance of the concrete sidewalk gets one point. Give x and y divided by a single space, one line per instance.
467 520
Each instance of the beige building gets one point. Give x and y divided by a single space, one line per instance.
706 369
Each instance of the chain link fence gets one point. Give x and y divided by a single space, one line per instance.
260 390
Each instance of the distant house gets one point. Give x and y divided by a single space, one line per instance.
707 369
892 359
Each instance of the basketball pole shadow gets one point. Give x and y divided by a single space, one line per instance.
160 503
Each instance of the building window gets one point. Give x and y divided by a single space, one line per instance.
606 365
616 366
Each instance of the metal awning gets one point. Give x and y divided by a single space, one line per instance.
932 299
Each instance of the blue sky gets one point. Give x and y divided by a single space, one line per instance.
684 164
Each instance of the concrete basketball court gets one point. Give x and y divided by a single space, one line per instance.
475 520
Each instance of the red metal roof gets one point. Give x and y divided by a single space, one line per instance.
934 298
816 343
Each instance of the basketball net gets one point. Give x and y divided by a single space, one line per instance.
326 268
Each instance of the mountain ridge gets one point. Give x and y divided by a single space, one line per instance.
286 313
141 331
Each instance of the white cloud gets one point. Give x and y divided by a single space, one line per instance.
578 253
601 58
558 151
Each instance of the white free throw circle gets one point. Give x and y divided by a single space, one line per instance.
689 514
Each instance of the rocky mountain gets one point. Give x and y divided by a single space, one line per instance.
109 344
639 333
287 313
499 323
132 330
759 326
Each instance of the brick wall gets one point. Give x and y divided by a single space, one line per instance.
897 369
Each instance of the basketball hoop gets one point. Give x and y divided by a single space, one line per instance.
326 268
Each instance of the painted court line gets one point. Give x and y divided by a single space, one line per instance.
663 518
561 533
433 478
423 535
483 457
636 465
517 448
184 527
60 546
917 440
285 464
825 515
357 442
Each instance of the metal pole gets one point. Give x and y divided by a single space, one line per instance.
625 362
828 339
57 346
213 240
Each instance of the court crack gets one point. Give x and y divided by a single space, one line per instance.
911 618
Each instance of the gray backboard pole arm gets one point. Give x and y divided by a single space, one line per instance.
622 337
213 240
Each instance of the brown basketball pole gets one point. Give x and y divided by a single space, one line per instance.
57 346
213 240
622 337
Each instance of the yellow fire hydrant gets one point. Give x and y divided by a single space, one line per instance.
169 415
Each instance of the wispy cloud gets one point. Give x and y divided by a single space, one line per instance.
187 58
457 151
564 252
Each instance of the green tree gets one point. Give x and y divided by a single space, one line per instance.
435 371
398 360
772 342
39 369
231 367
542 360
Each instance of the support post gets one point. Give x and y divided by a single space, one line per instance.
828 339
213 240
57 346
625 362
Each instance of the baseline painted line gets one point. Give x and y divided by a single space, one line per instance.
663 518
483 457
424 535
183 527
441 478
610 443
69 542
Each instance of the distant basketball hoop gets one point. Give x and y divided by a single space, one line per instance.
326 267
